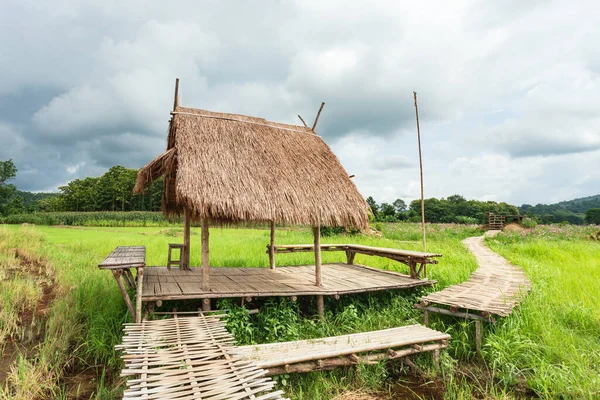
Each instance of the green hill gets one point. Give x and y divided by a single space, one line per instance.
572 211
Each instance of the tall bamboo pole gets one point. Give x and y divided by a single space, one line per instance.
421 171
318 277
205 258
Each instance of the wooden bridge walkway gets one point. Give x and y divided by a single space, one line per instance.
495 288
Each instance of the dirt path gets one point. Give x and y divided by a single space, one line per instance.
496 287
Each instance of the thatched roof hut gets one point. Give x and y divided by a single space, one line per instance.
232 168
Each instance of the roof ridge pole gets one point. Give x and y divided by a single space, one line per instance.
176 100
421 171
317 117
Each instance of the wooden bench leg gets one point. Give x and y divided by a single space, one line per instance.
138 295
117 274
426 318
436 358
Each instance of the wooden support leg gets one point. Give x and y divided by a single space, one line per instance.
130 278
350 257
321 306
413 269
205 304
426 318
117 274
478 337
436 358
138 294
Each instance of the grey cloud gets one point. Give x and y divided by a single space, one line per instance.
90 85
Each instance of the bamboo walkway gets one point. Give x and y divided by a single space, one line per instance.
332 352
189 357
496 287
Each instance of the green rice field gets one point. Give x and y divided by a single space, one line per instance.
60 317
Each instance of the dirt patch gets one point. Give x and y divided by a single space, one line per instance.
514 227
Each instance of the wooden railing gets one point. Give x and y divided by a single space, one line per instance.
408 257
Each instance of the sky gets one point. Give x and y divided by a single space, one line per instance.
508 92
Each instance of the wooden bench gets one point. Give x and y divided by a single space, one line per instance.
121 261
408 257
331 352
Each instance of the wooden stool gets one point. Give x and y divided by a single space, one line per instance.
172 262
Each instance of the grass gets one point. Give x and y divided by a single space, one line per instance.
549 347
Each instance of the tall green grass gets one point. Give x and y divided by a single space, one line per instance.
549 347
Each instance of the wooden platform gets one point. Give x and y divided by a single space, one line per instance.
189 357
331 352
163 284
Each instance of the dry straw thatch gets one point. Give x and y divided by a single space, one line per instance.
231 168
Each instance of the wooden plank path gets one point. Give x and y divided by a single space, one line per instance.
332 352
496 287
189 357
161 283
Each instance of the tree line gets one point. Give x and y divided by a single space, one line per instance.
113 191
453 209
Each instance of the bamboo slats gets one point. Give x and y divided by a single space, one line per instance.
125 257
188 357
331 352
496 287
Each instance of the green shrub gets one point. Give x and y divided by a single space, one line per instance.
529 223
461 219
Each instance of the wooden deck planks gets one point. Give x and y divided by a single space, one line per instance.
338 278
125 257
496 287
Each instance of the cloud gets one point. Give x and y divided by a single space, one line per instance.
508 92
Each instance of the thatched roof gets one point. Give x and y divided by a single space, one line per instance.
232 168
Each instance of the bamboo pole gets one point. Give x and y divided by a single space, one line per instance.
176 100
301 119
272 246
138 294
185 262
205 258
318 115
421 172
317 237
318 277
117 274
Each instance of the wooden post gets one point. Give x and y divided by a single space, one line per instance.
138 294
318 115
478 337
185 253
176 101
426 318
117 274
350 257
318 277
421 171
272 246
317 237
205 259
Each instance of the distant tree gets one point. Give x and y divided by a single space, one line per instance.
373 204
387 212
399 205
8 171
592 216
15 205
